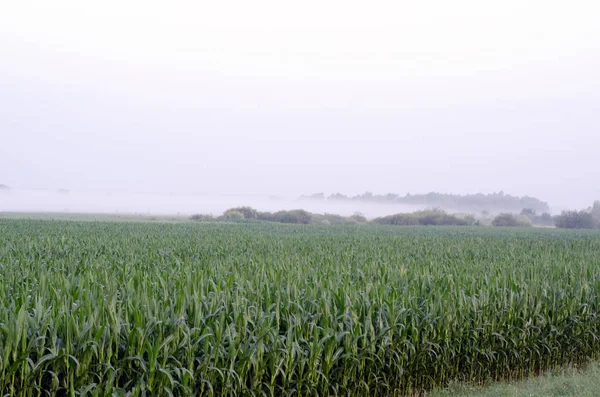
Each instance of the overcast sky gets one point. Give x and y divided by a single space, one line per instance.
321 96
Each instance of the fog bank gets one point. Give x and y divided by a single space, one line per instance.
280 98
23 200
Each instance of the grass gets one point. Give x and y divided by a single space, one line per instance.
150 308
563 382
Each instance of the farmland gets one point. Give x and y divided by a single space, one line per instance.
96 308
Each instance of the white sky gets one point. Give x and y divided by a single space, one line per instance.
288 98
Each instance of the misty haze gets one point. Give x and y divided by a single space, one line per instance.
63 200
417 100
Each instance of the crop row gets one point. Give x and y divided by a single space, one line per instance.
95 308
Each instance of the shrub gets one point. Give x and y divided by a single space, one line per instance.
469 219
545 219
319 219
247 212
434 217
397 219
335 219
201 217
575 220
293 216
359 217
265 216
233 215
510 220
438 217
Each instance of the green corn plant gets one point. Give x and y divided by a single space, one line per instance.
257 309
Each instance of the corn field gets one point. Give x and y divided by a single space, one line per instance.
215 309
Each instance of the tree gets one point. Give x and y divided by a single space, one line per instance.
545 219
528 212
247 212
433 217
359 217
233 215
575 220
201 217
496 202
509 220
595 211
293 216
337 196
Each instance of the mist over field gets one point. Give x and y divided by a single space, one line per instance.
156 203
242 103
18 200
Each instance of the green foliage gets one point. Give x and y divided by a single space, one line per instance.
333 219
293 216
469 219
510 220
219 309
406 219
359 217
434 217
202 217
266 216
247 213
583 219
233 215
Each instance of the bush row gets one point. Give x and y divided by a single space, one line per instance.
298 216
584 219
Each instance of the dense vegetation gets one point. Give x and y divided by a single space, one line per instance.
510 220
434 217
494 202
583 219
270 309
531 215
297 216
425 218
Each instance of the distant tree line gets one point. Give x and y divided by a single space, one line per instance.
570 219
435 217
511 220
584 219
545 219
298 216
474 202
